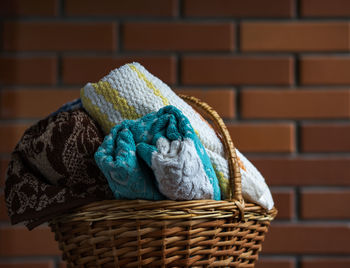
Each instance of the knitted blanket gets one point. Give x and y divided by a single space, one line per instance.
131 92
52 169
166 143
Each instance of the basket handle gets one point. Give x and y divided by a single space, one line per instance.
235 189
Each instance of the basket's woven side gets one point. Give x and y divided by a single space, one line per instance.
174 243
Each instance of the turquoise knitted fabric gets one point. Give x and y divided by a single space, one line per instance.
156 157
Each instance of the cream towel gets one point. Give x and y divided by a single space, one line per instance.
131 92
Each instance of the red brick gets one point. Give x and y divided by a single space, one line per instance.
27 264
325 8
325 204
27 103
28 8
10 134
307 239
3 211
227 70
284 171
80 70
325 137
59 36
151 8
275 263
3 168
295 36
298 104
179 36
263 137
239 8
31 71
222 100
18 241
317 262
326 70
284 202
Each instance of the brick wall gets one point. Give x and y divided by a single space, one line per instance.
278 72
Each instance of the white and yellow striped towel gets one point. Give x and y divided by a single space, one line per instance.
131 92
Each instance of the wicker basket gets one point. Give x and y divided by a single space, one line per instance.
140 233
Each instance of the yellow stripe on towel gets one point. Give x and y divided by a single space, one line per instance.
95 112
149 84
120 104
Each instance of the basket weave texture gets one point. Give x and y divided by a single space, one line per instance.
141 233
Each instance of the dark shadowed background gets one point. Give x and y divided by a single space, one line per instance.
277 71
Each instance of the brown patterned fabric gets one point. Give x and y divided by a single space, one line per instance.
52 169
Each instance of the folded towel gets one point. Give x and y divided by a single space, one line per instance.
131 92
166 142
52 169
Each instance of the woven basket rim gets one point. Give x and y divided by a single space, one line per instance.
166 210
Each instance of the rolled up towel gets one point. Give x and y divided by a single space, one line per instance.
166 142
52 169
131 92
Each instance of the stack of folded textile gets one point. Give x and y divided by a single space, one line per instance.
129 136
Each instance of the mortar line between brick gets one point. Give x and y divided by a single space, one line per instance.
272 256
160 19
180 10
348 26
297 137
296 7
178 82
210 87
267 55
33 258
238 104
282 188
296 70
297 204
60 8
298 261
20 120
324 223
237 36
302 156
325 188
56 261
307 255
5 156
59 71
120 38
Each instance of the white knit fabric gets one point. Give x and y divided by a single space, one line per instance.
179 161
254 187
144 93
